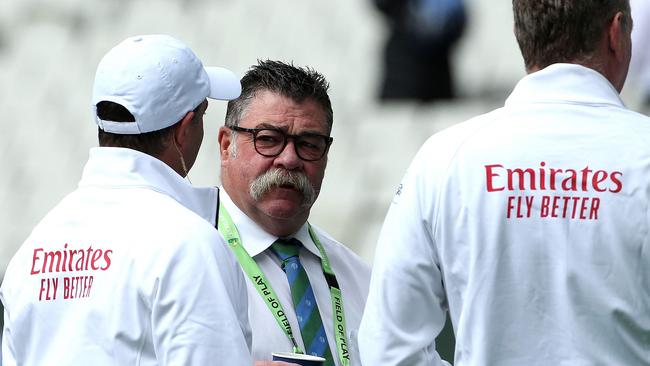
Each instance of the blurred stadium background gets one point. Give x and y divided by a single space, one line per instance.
49 51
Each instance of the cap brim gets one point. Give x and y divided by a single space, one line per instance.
224 84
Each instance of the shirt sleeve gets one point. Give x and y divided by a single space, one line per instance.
195 319
7 356
406 305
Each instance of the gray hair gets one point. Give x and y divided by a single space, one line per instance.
288 80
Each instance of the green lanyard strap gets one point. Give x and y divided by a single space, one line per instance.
262 285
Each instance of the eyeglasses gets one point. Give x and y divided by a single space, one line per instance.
271 142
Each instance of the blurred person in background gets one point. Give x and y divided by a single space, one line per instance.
122 271
528 224
422 34
640 64
306 291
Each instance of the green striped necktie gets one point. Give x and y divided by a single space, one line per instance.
304 302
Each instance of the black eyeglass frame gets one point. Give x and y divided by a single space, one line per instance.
296 139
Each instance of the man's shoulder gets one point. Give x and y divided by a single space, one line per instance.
454 136
154 220
445 145
638 120
161 209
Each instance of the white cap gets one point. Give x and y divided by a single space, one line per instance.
158 79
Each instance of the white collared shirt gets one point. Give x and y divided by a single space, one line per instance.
352 274
530 224
121 273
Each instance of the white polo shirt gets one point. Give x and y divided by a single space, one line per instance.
121 273
531 225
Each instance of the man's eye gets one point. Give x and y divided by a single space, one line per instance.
308 145
269 138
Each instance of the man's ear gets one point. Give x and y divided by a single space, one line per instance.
181 130
617 35
225 139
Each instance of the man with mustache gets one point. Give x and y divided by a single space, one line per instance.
274 149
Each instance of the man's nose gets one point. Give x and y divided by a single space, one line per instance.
288 158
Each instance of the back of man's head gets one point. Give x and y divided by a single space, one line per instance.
146 84
568 31
152 143
285 79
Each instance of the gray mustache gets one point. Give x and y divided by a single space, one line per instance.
280 177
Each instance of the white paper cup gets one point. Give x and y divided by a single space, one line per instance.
300 359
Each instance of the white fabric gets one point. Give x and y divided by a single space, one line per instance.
531 289
352 274
165 289
158 79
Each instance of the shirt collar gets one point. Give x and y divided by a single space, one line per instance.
567 83
253 237
121 167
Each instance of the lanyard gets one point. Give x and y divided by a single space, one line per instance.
229 231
